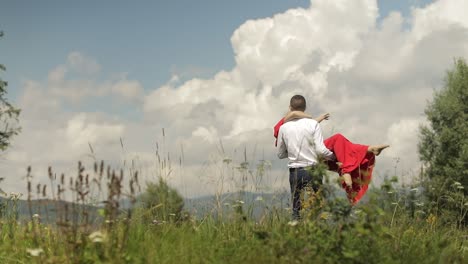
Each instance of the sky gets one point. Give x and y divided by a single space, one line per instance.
216 76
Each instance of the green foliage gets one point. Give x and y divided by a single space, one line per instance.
443 145
365 236
161 202
8 114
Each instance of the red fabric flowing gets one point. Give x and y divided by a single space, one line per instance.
351 158
276 130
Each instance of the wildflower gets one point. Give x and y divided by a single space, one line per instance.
172 214
460 187
414 189
431 219
456 183
293 223
34 252
389 192
240 201
35 216
15 196
157 222
227 204
259 198
419 204
325 215
394 203
97 237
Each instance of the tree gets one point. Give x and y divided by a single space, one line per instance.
8 115
161 202
443 146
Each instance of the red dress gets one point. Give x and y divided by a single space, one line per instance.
352 158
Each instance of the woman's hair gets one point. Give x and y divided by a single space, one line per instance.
297 103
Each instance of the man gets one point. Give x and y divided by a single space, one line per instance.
301 141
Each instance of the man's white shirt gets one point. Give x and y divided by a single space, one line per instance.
301 141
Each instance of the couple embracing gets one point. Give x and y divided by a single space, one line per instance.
299 138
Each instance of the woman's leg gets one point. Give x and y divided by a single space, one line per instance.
376 149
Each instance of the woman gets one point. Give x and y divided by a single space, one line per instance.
355 162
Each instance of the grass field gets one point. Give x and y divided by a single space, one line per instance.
392 226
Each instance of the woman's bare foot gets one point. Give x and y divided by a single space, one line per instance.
347 179
376 149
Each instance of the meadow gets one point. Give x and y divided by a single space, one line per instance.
396 224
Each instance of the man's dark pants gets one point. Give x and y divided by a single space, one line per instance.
299 178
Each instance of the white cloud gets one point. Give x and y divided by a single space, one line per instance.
82 64
374 78
81 131
440 15
76 81
128 89
208 134
57 75
403 136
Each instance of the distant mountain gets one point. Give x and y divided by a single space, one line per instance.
49 211
249 204
252 204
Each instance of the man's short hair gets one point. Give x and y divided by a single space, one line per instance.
298 103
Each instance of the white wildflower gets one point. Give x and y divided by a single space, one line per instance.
35 216
15 196
97 237
414 189
34 252
456 183
293 223
259 198
157 222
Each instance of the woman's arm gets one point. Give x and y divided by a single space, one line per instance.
298 115
322 117
291 115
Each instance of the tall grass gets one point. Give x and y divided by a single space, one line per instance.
89 224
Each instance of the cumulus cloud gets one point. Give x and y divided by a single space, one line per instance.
373 75
77 81
83 64
80 131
